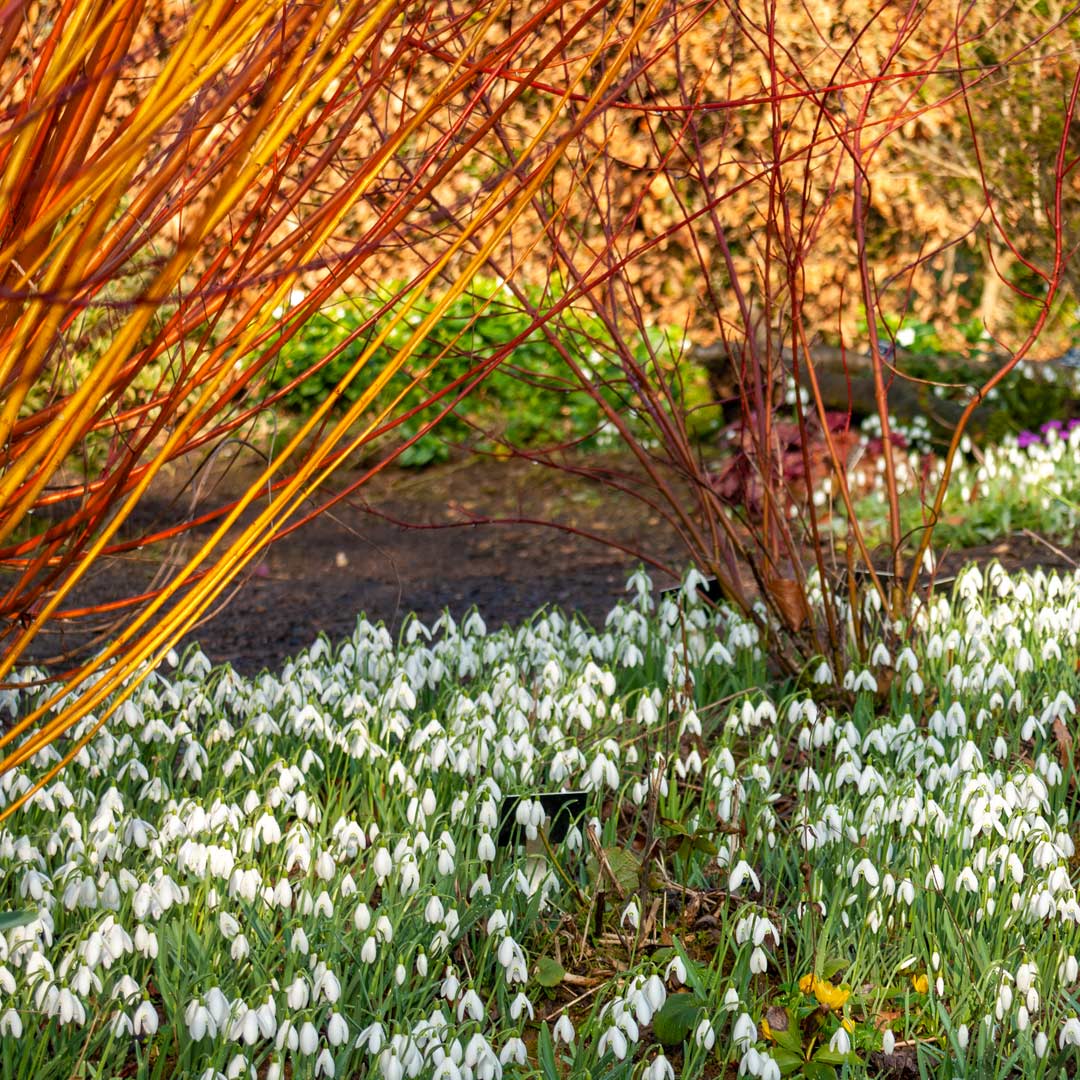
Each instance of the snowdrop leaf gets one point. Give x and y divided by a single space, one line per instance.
549 972
545 1053
676 1019
12 920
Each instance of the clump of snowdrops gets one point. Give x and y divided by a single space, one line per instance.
299 874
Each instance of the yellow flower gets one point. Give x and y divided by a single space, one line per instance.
921 983
828 994
848 1025
767 1031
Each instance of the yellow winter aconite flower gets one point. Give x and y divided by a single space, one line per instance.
848 1024
921 983
828 994
767 1031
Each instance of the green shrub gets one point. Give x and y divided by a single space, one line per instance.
529 400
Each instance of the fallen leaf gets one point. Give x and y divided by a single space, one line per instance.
1064 743
790 601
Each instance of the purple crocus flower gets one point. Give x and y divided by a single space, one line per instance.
1026 439
1050 425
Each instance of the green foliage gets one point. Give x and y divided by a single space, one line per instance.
531 399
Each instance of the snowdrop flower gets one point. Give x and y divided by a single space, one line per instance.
145 1020
563 1031
324 1064
614 1040
739 874
1070 1033
743 1034
840 1043
660 1069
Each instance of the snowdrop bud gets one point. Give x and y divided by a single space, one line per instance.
840 1043
324 1064
1042 1044
337 1030
962 1036
297 994
888 1042
309 1038
369 950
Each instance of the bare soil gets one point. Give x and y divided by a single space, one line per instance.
361 558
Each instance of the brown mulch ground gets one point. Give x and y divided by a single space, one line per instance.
318 579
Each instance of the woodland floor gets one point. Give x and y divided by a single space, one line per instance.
357 558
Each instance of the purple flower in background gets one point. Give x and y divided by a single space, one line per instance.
1050 425
1026 439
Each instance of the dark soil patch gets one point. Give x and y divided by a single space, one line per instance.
359 559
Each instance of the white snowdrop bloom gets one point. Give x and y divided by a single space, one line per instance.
145 1020
372 1038
240 948
369 950
384 929
660 1069
614 1040
382 865
751 1062
743 1034
676 971
563 1031
514 1051
888 1042
309 1038
11 1025
519 1006
434 912
935 879
470 1005
631 915
324 1064
362 917
337 1030
297 994
739 874
840 1043
867 872
1041 1044
759 961
1070 1033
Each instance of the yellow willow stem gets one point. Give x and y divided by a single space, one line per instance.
295 491
213 385
53 446
177 623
